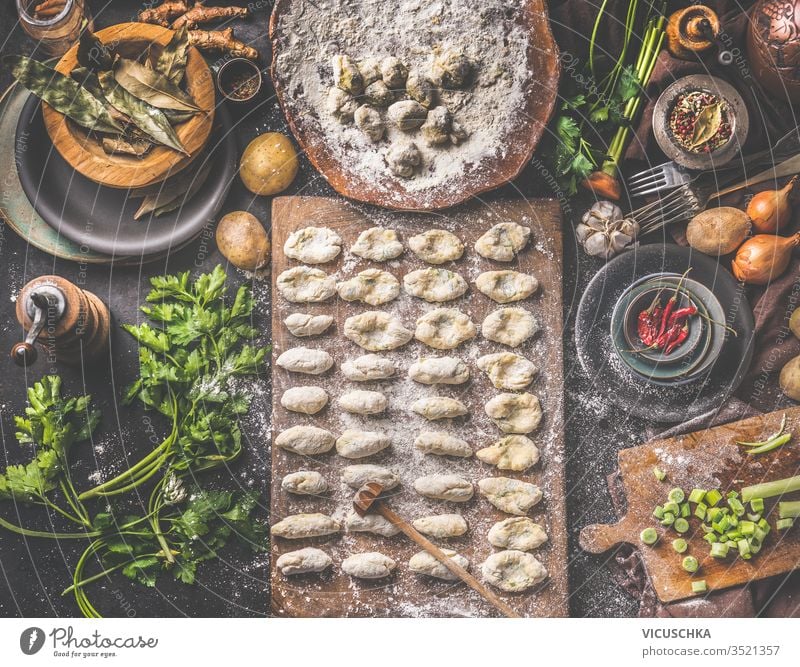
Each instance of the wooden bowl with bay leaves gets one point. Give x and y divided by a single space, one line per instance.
84 152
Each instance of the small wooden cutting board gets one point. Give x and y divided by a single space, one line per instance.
704 459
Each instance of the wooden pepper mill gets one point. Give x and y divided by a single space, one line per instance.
71 325
692 31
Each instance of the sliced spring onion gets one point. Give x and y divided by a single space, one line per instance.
758 443
690 564
699 586
659 474
676 495
658 512
668 520
789 509
783 524
757 505
672 507
736 506
771 489
700 511
649 536
681 525
747 528
744 548
712 498
710 538
686 510
753 517
719 549
680 545
697 495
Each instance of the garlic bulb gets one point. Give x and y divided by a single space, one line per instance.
604 231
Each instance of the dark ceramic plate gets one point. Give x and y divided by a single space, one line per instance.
613 379
101 218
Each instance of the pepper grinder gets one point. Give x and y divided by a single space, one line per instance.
71 325
692 31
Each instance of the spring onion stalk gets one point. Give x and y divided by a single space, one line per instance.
757 505
676 495
697 495
699 586
660 475
783 524
649 536
680 545
712 498
690 564
777 487
789 509
719 549
681 525
758 443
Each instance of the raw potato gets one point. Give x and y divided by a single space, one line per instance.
439 370
434 285
515 413
510 495
506 286
442 444
368 368
507 370
305 483
362 402
305 360
509 326
371 565
424 563
439 407
306 440
512 452
306 400
371 523
718 231
353 444
302 526
441 526
313 245
517 532
794 323
303 561
503 241
790 379
302 284
377 244
376 331
436 246
243 241
269 164
444 487
356 476
305 324
371 286
513 571
444 328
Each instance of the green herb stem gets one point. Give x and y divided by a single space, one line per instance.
771 489
789 509
27 532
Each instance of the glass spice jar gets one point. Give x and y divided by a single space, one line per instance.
54 24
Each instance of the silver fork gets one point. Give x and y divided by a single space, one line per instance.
681 204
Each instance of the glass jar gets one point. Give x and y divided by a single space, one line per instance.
54 24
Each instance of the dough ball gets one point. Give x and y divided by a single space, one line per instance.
513 571
510 495
503 241
442 444
371 523
439 370
303 526
355 476
512 452
509 326
439 407
506 286
517 532
424 563
436 246
434 285
306 440
377 244
303 561
305 360
441 526
376 331
444 328
304 483
313 245
368 368
362 402
306 400
507 370
515 413
444 487
371 565
372 286
355 444
305 324
302 284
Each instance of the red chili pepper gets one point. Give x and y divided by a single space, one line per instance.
648 321
683 334
673 300
682 314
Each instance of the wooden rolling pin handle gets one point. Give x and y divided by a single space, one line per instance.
599 537
448 562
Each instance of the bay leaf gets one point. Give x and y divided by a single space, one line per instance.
63 94
151 86
177 117
92 54
88 80
119 145
172 61
175 191
706 125
146 117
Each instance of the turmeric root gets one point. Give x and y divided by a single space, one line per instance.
49 9
164 13
199 13
221 41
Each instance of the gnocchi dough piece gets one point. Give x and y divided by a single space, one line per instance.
305 360
436 246
376 331
371 523
303 561
304 324
503 241
371 286
354 444
439 407
362 402
442 444
370 565
507 370
515 413
441 526
517 532
512 452
355 476
306 440
506 286
444 328
434 285
377 244
313 245
439 370
306 400
368 368
302 526
304 483
403 158
444 487
424 563
513 571
510 495
369 121
509 326
303 284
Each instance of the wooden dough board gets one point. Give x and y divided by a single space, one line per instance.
704 459
333 593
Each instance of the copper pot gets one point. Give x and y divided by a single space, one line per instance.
773 47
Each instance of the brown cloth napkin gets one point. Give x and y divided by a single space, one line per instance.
774 345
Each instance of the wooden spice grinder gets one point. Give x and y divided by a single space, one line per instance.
692 31
71 325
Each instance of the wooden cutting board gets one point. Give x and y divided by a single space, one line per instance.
704 459
405 594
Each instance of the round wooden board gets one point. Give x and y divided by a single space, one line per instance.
540 98
85 154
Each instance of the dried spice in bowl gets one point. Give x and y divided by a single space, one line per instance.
700 121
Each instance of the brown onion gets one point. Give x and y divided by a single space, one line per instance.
763 258
771 210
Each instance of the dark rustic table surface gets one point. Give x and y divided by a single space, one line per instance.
34 572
